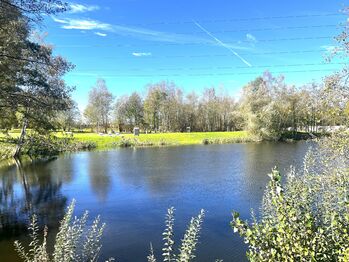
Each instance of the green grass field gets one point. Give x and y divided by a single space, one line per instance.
158 139
105 142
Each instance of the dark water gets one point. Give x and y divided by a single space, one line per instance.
132 188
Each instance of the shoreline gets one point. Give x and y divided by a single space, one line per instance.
87 141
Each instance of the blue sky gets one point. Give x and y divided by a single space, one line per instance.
197 44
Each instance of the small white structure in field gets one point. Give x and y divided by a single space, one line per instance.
188 129
136 131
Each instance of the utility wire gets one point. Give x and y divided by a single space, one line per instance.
213 68
203 74
197 43
228 20
276 28
205 55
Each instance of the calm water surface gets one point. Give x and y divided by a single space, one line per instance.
132 188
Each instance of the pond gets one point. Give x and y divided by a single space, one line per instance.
132 188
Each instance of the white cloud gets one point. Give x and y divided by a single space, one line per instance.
100 34
61 21
138 54
251 38
83 24
329 48
79 8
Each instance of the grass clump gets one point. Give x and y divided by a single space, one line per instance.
232 140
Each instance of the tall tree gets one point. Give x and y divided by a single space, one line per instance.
129 111
190 111
134 109
30 75
99 105
68 119
153 105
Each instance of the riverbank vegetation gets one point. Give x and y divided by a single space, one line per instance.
307 217
37 145
75 241
41 146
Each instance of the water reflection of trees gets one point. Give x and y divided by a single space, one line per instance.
29 189
99 169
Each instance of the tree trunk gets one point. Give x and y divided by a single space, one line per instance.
21 138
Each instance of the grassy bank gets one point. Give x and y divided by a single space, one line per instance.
87 140
162 139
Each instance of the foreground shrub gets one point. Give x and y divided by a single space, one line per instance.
76 242
307 218
73 242
186 251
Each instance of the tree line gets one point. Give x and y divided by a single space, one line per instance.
267 107
33 93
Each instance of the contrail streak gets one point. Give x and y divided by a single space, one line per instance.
223 44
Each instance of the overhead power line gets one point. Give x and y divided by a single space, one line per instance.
204 74
276 28
228 20
155 56
197 43
213 68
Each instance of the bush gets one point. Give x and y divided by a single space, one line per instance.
37 145
74 241
125 143
7 150
186 251
208 141
307 218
